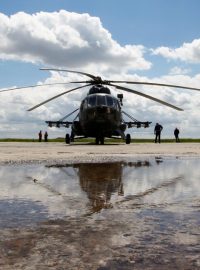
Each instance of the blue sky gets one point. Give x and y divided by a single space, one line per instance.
152 23
160 27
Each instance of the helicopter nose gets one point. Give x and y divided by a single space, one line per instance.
101 109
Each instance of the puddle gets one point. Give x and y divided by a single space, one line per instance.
116 210
34 193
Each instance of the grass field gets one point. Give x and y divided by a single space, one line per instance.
88 140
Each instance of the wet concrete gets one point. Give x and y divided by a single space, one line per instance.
129 214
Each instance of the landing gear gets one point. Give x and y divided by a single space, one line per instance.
128 139
102 140
99 140
67 139
72 137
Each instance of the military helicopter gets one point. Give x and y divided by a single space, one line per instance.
100 114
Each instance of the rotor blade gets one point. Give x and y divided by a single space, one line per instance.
71 71
146 96
66 116
38 85
40 104
157 84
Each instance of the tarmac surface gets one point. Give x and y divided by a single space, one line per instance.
28 152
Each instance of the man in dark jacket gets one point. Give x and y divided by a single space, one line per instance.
157 131
176 134
46 136
40 136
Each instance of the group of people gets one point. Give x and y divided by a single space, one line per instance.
158 129
45 136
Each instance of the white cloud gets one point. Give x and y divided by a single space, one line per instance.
65 39
178 71
188 52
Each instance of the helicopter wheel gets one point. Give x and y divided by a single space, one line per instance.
67 139
128 139
72 137
97 140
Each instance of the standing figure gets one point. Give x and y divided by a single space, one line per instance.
40 136
176 134
46 136
157 131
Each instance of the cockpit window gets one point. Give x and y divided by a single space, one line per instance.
116 104
92 101
101 100
109 101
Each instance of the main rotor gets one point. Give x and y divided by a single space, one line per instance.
95 80
98 81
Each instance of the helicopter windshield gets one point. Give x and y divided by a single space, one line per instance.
101 100
92 101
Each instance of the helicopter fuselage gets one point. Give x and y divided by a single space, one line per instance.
100 115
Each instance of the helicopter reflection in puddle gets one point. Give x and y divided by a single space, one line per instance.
74 190
102 180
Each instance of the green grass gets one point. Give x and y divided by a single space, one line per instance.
88 140
29 140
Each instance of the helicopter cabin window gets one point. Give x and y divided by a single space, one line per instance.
101 100
92 101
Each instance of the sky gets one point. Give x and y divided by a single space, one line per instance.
154 41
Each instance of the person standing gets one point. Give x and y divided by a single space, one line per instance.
176 134
46 136
157 131
40 136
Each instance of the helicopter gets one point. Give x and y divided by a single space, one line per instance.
100 114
